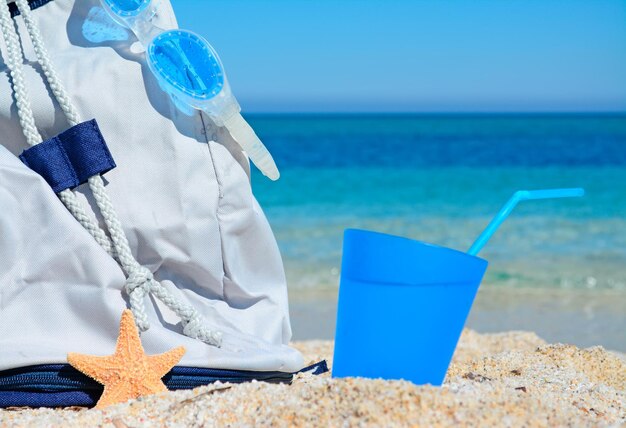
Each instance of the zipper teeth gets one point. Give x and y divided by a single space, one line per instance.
63 380
45 381
188 384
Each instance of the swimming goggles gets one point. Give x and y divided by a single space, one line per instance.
190 72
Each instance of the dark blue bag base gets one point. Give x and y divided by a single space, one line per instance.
60 385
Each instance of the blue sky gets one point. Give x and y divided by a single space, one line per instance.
418 55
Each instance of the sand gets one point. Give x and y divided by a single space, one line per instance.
507 379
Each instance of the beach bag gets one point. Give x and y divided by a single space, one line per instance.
178 188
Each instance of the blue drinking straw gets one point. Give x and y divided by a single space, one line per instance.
520 195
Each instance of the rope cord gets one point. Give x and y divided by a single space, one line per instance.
46 64
140 281
25 114
15 66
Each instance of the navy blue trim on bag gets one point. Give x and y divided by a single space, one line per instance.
60 385
69 159
315 369
34 4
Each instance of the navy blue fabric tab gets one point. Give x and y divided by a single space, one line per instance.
70 158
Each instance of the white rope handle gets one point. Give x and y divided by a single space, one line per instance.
15 66
25 114
139 281
46 64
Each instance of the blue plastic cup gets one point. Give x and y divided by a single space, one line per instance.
402 307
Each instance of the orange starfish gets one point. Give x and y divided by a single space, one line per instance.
129 372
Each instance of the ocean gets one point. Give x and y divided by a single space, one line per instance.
440 179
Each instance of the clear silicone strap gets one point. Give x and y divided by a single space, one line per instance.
248 140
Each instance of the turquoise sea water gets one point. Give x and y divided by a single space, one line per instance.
440 179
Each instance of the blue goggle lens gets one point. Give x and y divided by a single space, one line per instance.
186 62
127 8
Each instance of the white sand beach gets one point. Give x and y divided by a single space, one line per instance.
504 379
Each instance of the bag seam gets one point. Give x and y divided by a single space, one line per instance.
220 189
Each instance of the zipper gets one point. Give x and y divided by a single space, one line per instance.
63 377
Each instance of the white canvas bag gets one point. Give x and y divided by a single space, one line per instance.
182 192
